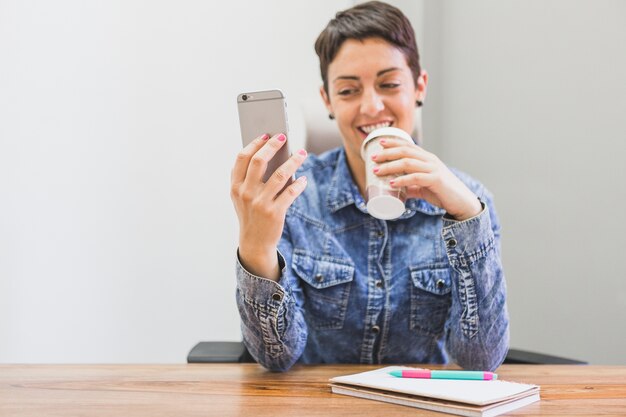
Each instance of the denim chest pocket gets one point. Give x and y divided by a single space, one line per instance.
328 281
430 298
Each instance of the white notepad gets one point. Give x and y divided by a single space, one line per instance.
461 397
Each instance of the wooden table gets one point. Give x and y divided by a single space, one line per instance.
249 390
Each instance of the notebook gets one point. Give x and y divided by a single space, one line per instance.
460 397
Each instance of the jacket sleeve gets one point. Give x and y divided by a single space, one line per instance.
272 323
478 325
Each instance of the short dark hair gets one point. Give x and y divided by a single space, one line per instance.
373 19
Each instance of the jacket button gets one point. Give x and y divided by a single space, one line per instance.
379 284
451 243
375 329
440 283
319 277
277 297
380 234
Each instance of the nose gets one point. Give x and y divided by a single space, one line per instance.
371 103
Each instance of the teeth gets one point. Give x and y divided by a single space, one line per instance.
370 128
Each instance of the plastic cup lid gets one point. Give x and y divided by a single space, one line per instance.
385 207
385 131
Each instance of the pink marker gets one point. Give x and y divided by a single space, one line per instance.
444 374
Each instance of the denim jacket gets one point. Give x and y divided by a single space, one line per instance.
356 289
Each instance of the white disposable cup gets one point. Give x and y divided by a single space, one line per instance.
383 201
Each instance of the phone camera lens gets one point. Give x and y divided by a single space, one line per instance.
244 97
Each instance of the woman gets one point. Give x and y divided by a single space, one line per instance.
321 281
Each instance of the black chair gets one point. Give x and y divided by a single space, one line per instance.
232 352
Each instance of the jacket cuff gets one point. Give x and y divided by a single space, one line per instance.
469 240
259 290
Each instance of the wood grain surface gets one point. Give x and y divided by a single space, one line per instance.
250 390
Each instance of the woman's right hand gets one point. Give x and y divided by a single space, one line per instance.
262 207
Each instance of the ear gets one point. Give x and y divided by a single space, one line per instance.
420 88
326 100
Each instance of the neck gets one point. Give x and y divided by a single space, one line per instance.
357 168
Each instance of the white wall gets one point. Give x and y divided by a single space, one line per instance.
118 129
530 97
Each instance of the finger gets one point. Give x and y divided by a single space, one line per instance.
416 179
400 149
240 168
289 195
283 173
415 191
260 159
391 141
402 166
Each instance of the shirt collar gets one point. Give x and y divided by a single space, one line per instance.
343 192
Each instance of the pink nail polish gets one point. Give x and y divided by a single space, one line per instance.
265 136
282 137
392 183
376 169
374 157
302 152
383 141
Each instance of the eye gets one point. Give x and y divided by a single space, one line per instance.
347 91
390 85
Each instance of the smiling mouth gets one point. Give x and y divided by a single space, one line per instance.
367 129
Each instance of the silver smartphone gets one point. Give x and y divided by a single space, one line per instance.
264 112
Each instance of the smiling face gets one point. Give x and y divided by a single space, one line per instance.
370 85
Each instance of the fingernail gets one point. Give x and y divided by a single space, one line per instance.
374 157
376 169
302 179
265 136
282 137
392 183
383 141
302 152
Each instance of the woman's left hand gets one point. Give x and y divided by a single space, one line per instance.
426 177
